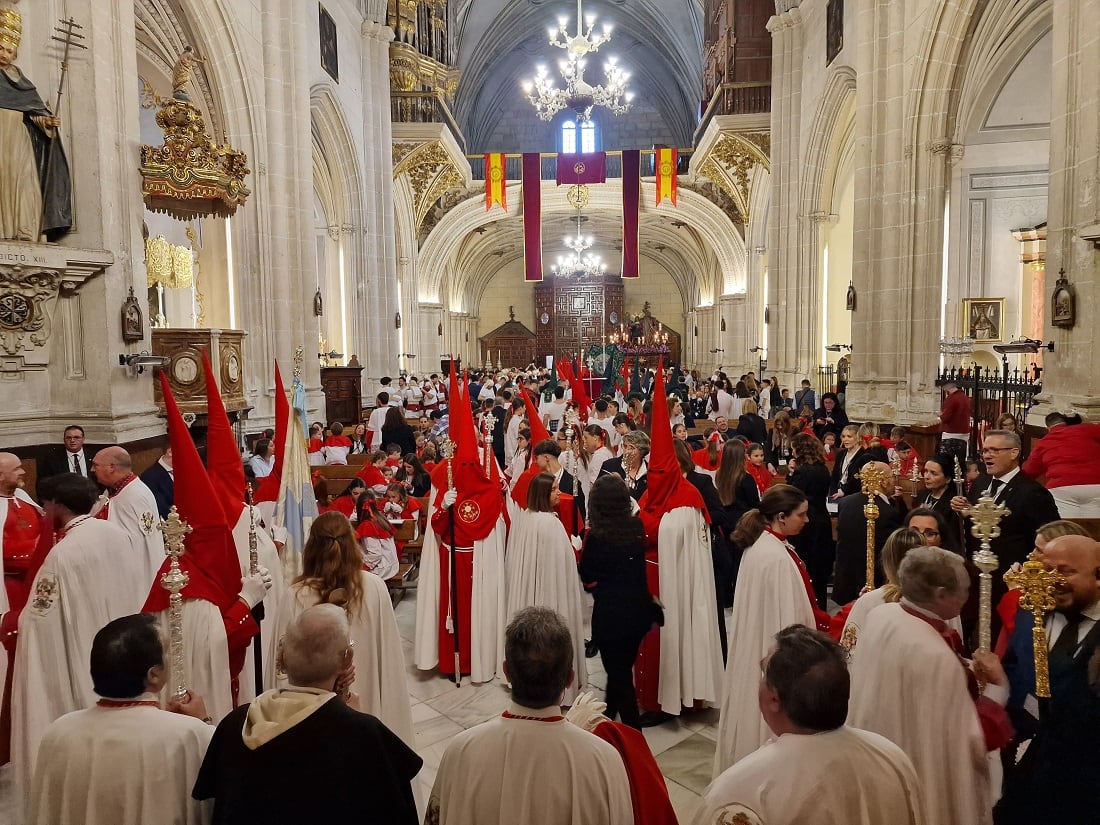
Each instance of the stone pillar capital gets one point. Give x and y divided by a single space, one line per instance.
377 31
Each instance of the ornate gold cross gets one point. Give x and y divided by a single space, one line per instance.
1036 585
174 580
985 518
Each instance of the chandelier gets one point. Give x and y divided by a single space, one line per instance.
576 262
579 95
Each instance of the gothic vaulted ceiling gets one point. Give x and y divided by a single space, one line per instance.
499 42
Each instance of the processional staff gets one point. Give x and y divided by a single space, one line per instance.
447 450
1036 585
70 38
258 612
572 416
985 517
871 478
174 580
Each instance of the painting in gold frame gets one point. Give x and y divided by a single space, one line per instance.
984 319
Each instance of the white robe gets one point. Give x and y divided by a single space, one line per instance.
269 634
857 617
205 656
88 579
379 659
510 771
691 651
120 766
838 777
542 572
135 511
909 686
488 607
770 596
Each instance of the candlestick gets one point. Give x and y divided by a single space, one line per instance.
871 478
174 580
985 517
960 482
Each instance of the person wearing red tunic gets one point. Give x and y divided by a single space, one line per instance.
468 514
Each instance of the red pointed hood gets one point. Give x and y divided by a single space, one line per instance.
210 558
269 485
580 397
534 420
667 488
223 459
480 500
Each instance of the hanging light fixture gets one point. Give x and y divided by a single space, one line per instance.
575 262
578 94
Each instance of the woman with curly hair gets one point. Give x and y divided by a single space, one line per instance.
332 573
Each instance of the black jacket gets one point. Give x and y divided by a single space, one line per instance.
851 545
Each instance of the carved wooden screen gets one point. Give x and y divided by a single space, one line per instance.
574 314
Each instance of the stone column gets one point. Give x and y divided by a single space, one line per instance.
1072 375
793 302
378 280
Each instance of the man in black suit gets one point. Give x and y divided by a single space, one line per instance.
850 574
1030 505
547 454
1057 777
161 482
72 458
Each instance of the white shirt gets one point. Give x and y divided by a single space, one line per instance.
262 467
1057 622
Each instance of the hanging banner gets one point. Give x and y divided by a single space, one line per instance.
632 196
666 174
532 216
582 168
496 181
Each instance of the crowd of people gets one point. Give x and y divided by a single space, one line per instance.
718 529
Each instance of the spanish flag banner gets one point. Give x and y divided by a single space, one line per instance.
665 159
496 181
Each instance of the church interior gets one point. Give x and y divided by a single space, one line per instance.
891 190
880 195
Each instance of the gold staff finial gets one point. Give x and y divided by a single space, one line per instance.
985 518
1036 585
871 478
299 354
447 451
174 580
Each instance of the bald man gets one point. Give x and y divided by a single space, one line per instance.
851 537
1059 771
130 504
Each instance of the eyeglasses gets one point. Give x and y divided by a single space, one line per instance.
997 449
929 534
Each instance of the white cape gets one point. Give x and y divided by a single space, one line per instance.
691 651
88 579
120 766
205 656
542 571
135 511
379 659
837 777
770 596
909 686
487 611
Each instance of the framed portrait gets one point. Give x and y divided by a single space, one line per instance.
983 319
329 58
1063 305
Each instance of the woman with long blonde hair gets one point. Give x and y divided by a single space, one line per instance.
332 573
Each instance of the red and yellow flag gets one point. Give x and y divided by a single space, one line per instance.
496 181
666 175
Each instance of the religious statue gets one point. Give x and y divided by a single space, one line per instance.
34 174
181 74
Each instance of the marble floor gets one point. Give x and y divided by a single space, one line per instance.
683 747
